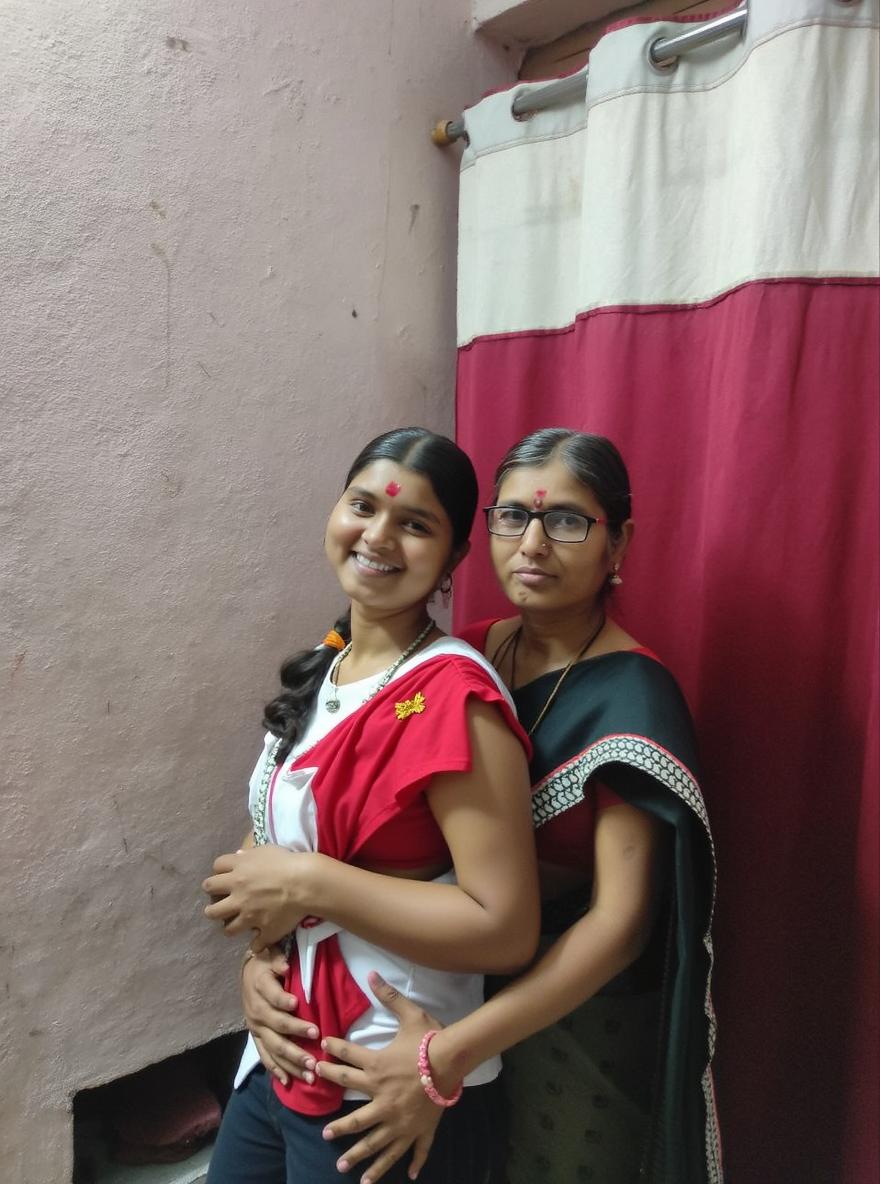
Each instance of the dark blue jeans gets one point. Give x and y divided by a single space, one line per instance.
262 1142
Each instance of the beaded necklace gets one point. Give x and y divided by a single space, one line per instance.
332 703
261 832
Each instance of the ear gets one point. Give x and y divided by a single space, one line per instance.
457 555
618 549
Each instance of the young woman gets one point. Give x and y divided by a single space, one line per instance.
608 1036
394 758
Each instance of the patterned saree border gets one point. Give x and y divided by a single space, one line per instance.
564 787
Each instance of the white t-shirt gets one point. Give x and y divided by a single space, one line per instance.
290 822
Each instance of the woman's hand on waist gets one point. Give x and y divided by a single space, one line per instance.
265 888
268 1012
400 1115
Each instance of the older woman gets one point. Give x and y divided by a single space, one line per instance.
607 1037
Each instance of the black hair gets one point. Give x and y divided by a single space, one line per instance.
593 460
454 482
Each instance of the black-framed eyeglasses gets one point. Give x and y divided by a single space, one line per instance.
562 526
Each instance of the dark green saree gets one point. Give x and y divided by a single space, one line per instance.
620 1091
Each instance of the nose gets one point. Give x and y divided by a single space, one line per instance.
533 541
377 533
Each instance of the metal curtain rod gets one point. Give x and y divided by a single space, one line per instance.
662 54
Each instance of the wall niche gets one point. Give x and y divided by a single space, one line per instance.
156 1126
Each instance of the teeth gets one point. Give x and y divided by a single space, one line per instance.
372 564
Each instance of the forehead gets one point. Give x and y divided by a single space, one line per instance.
553 483
413 489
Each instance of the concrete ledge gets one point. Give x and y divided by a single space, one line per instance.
535 22
103 1170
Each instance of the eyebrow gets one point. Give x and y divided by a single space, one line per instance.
570 507
413 511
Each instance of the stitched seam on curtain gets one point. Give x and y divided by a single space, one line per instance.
867 280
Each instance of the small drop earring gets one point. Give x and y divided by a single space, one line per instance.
614 578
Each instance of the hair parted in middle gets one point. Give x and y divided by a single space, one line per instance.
592 460
451 476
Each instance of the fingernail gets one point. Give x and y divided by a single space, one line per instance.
342 1165
309 1077
312 1033
324 1044
310 1062
282 1079
326 1133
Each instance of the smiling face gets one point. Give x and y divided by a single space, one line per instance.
536 572
389 538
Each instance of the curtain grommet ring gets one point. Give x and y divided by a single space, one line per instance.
669 66
524 116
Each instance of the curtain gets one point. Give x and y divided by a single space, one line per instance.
687 262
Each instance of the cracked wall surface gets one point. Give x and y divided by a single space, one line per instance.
228 260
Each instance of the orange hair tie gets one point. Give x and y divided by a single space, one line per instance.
335 640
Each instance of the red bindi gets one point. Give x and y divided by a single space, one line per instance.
538 499
392 489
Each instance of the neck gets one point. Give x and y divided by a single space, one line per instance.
556 636
376 637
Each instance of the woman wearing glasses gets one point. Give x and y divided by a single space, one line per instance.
607 1037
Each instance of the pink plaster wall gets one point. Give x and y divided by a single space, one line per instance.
195 200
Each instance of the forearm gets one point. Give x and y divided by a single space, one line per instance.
578 964
437 925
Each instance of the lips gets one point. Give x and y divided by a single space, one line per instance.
532 577
374 566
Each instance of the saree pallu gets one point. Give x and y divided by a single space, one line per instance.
621 1090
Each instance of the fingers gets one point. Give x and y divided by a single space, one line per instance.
383 1162
343 1075
279 965
351 1124
235 925
262 975
286 1057
220 909
224 863
258 943
270 992
391 998
283 1023
274 995
421 1147
215 886
377 1143
384 992
269 1063
351 1054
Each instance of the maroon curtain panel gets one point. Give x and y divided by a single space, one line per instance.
688 265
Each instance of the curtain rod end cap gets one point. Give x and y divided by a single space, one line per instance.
440 133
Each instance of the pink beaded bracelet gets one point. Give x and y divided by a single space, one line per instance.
428 1081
